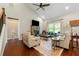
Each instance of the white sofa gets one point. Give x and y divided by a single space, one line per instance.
30 40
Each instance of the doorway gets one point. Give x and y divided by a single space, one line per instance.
12 28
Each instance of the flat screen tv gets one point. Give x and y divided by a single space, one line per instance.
35 23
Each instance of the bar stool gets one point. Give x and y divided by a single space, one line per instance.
72 40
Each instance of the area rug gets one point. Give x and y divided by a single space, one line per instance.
46 49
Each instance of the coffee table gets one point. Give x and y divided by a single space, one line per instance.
56 40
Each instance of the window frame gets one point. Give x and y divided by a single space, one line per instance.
54 26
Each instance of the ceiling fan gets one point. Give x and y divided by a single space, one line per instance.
41 5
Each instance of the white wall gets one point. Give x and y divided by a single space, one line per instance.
45 25
23 13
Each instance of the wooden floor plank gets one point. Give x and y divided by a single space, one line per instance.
17 48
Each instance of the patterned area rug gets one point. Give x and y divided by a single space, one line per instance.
46 49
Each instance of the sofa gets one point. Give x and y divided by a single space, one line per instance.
30 40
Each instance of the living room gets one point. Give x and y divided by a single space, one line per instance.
44 31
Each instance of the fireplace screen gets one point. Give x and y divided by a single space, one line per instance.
35 30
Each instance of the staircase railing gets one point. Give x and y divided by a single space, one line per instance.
3 39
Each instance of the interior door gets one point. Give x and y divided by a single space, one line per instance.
12 28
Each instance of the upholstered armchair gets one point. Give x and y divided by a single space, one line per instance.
65 42
30 40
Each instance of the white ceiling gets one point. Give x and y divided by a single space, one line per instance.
55 9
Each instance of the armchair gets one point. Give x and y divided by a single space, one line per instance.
66 42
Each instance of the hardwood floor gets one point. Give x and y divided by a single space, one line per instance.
17 48
71 52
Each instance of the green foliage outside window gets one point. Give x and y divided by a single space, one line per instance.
54 27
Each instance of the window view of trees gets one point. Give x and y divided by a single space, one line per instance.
54 27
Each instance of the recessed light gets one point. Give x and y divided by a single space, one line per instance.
67 7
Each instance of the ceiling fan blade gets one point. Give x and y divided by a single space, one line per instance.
46 5
35 4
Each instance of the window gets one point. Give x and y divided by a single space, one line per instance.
54 27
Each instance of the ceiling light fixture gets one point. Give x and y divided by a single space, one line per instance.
67 7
